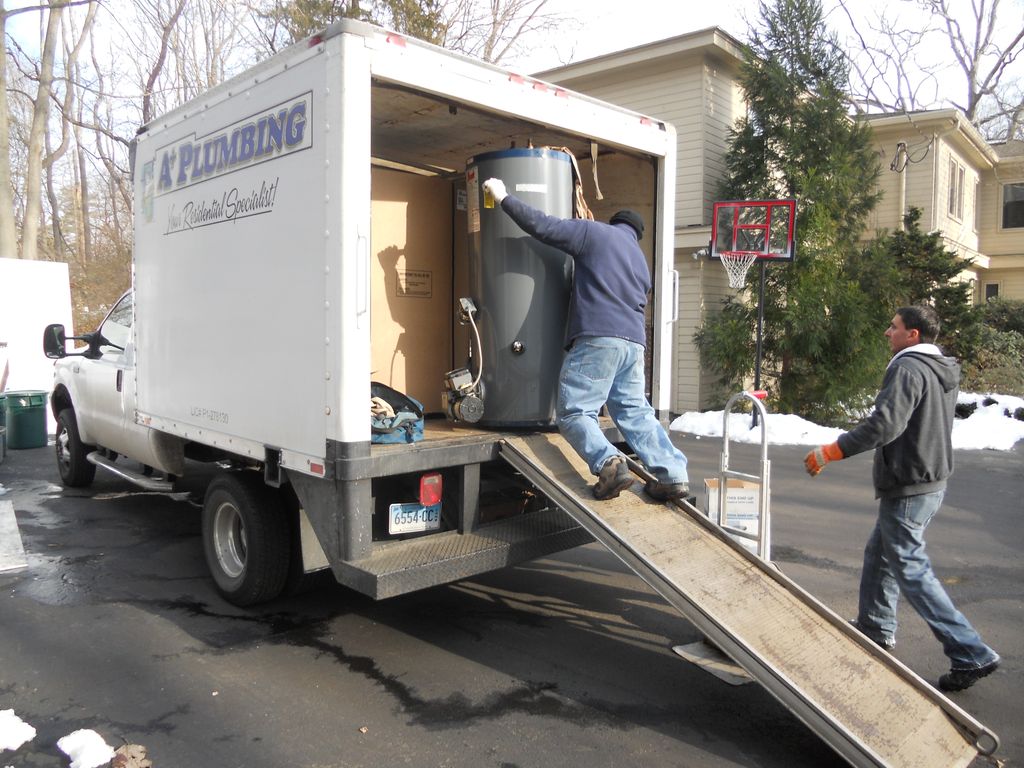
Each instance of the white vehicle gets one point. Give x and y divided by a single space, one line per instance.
314 224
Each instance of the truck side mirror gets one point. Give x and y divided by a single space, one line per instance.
53 341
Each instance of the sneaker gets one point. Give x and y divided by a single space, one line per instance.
666 491
885 645
615 477
961 679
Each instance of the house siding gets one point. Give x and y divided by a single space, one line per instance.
998 243
1010 282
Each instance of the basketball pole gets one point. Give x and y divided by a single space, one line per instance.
760 327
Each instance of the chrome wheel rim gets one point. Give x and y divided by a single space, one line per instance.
229 540
63 448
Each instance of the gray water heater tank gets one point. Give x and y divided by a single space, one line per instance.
520 286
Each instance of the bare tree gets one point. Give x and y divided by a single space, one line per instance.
37 139
899 63
493 30
496 30
67 106
8 232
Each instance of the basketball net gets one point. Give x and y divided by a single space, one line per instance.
736 265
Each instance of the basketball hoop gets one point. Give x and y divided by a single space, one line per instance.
745 231
736 264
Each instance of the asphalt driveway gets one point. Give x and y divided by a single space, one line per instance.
563 661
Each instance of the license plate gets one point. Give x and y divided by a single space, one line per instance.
413 518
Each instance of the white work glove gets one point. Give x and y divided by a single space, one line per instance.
496 189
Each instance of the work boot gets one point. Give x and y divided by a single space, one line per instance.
666 491
961 679
615 477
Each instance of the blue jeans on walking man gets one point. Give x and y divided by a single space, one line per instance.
895 562
604 369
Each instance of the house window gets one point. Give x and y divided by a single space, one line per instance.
1013 205
956 190
991 290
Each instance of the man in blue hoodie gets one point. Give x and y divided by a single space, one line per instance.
911 430
605 341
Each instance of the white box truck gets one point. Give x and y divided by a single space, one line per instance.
304 229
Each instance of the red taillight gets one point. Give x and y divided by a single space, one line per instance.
430 489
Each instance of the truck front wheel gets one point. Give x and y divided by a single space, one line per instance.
245 538
75 470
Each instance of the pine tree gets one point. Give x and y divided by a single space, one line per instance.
821 354
910 266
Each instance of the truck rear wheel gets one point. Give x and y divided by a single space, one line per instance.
75 470
245 538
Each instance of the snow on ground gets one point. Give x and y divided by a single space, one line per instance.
86 748
987 427
13 730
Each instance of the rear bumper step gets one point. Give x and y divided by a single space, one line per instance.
395 568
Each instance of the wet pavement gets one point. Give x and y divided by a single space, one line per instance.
116 626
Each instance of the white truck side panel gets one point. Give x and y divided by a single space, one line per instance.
253 252
348 244
230 265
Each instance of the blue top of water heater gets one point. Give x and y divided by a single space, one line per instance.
500 154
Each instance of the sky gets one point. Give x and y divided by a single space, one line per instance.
596 27
606 27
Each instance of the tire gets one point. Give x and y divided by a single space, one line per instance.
75 470
246 538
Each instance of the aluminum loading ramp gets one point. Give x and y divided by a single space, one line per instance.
860 700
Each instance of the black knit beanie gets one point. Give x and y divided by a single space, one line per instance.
634 219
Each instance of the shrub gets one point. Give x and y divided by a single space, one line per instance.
1003 314
997 365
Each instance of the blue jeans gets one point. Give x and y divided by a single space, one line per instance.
895 562
603 369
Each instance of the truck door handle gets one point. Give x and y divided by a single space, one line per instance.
120 379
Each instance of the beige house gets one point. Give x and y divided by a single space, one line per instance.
971 191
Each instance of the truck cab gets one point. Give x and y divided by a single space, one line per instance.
94 403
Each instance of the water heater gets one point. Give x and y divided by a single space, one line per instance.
520 286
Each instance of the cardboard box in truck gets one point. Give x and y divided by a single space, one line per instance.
300 231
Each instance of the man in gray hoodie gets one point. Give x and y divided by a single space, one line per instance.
910 429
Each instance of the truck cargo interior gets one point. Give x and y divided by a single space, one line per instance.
419 237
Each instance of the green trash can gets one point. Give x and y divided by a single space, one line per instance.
25 419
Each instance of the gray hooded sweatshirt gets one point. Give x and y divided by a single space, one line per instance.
911 426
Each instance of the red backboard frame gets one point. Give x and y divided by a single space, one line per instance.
765 228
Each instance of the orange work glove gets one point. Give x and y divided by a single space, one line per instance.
816 460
